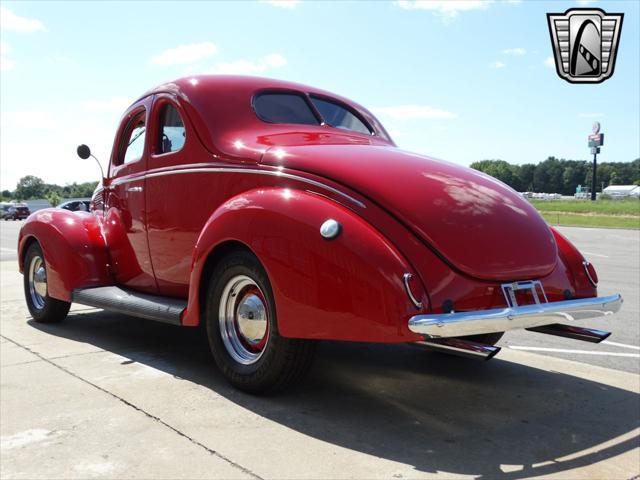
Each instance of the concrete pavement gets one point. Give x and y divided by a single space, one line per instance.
110 396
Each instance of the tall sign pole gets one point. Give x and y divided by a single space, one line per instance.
595 142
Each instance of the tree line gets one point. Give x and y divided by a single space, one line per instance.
559 175
32 187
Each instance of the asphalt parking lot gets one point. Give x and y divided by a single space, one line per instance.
109 396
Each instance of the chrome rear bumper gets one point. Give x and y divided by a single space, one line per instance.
503 319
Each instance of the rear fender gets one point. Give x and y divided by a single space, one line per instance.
347 288
574 261
74 248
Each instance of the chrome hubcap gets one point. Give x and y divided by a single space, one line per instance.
37 282
244 320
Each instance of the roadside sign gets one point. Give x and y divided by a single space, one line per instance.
596 140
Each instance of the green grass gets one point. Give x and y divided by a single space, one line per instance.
610 221
630 207
585 213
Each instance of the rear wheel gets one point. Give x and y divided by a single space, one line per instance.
42 307
243 331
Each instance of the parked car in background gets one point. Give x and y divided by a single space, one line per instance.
37 204
82 205
276 215
15 211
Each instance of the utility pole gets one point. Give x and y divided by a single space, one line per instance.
595 142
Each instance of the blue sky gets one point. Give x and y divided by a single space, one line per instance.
462 81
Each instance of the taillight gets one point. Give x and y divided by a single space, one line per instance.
591 273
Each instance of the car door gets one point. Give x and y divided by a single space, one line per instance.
174 215
125 216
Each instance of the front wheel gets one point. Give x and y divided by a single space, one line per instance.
42 307
242 328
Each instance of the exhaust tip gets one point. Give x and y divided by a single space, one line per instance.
577 333
462 348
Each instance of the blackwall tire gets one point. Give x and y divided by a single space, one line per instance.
242 329
43 308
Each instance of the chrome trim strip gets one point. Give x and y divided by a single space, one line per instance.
242 170
405 279
503 319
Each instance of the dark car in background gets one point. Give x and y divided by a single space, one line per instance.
76 205
14 211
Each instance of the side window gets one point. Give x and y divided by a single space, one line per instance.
284 108
132 147
339 117
172 131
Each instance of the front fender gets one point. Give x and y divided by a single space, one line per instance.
348 288
74 249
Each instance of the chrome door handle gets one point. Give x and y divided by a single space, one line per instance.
134 189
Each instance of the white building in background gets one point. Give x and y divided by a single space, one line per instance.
622 191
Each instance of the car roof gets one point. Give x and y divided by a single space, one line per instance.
220 108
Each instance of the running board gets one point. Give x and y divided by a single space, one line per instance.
130 302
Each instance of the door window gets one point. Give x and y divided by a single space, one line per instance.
134 136
172 133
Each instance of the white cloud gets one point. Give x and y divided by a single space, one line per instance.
248 67
550 62
111 105
11 21
412 112
283 3
497 65
185 54
590 115
514 51
446 8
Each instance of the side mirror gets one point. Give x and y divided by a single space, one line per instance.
84 151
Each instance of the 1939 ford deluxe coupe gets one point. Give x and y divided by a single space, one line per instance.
275 214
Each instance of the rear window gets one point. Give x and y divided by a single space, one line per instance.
284 108
338 116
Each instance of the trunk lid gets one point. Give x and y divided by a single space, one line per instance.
475 222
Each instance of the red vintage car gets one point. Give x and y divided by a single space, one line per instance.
276 214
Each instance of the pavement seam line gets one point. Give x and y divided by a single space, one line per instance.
71 355
139 409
